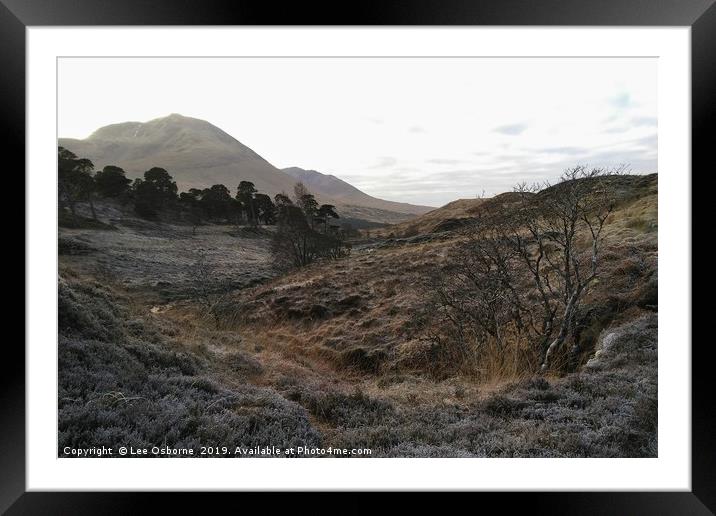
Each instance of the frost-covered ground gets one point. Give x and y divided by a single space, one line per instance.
320 357
144 380
164 259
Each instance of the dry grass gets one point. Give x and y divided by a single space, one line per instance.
340 349
455 210
368 313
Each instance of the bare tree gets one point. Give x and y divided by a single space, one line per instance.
521 272
577 207
296 244
299 191
210 291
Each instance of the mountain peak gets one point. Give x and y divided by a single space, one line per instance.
196 152
181 119
163 128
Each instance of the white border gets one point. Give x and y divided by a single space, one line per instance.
671 470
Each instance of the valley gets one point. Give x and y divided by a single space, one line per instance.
181 335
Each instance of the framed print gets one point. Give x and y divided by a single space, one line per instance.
447 241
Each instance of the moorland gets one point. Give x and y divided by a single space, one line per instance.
519 325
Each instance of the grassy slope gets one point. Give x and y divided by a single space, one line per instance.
331 354
464 209
426 223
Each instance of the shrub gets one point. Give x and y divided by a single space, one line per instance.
117 388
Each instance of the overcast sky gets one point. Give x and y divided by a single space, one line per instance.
425 131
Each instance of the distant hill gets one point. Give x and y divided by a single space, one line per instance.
462 211
198 154
347 194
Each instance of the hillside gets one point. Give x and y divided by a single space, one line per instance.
381 279
453 211
198 154
339 353
348 194
462 211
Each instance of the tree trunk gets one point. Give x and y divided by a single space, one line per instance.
563 330
253 213
556 344
91 204
68 200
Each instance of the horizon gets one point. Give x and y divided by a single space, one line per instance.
486 196
422 138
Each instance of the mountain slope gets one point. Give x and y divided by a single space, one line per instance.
461 209
457 213
198 154
348 194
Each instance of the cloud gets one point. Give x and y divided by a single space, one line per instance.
503 171
511 130
572 151
651 141
639 121
385 162
444 161
611 118
616 130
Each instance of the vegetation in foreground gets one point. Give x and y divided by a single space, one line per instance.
343 352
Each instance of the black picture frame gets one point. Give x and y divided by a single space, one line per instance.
700 15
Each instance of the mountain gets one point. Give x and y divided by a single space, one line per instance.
347 194
198 154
